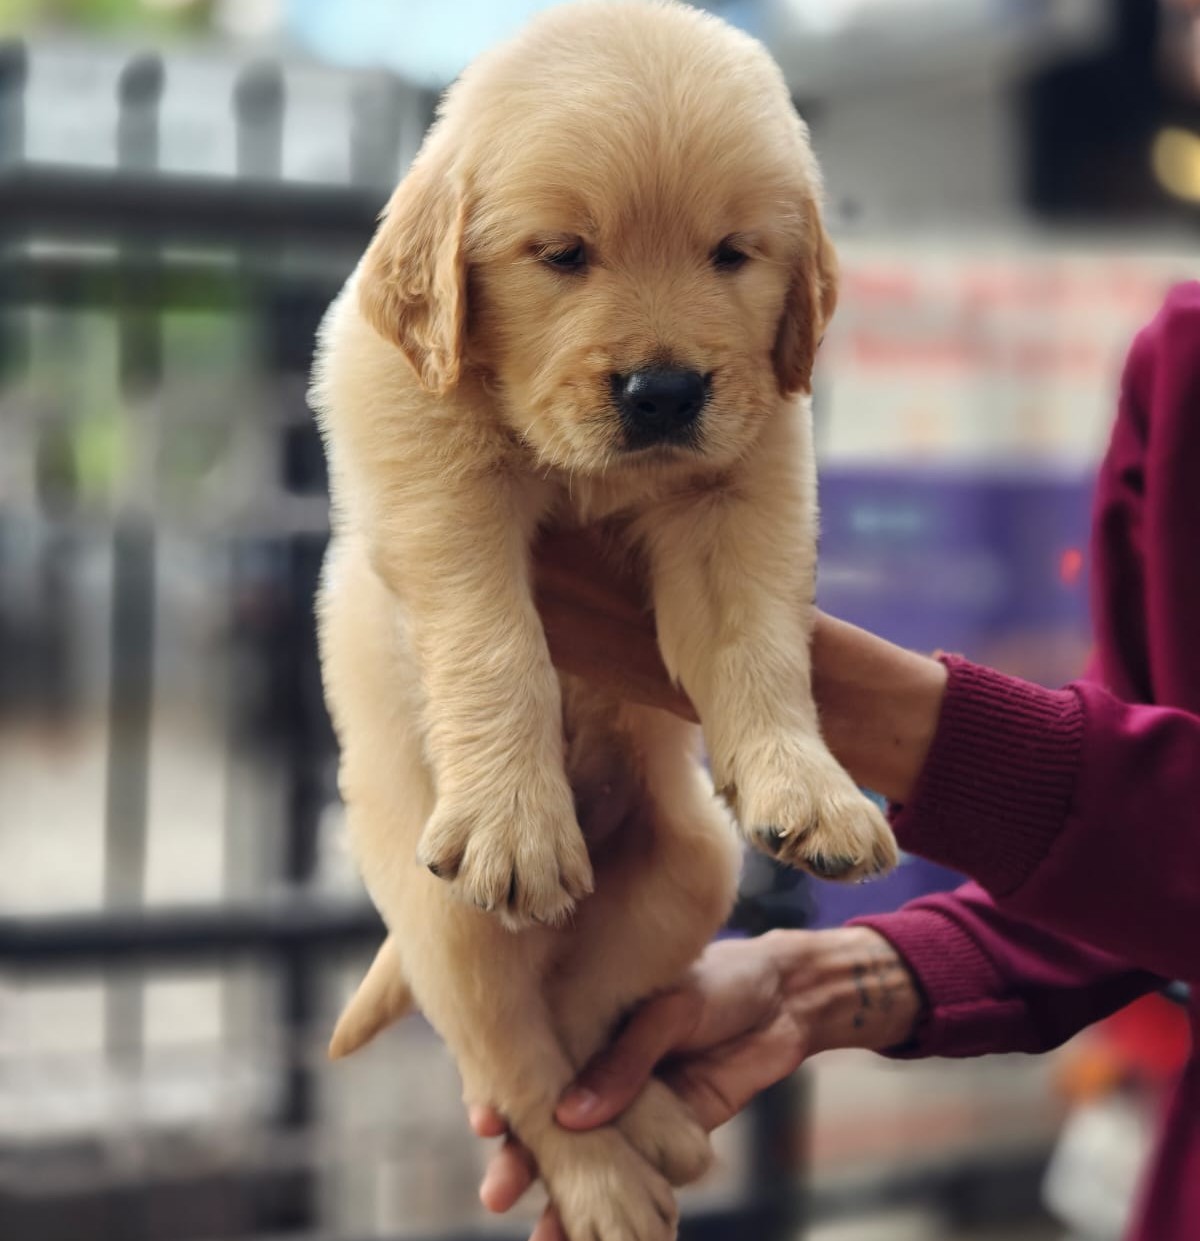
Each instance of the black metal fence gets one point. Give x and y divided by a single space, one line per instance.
136 245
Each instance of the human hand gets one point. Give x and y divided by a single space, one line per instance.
879 704
746 1016
597 623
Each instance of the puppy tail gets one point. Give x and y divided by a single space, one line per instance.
382 997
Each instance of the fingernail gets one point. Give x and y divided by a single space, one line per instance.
580 1102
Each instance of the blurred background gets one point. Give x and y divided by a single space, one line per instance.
184 184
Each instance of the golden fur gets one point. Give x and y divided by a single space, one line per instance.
463 387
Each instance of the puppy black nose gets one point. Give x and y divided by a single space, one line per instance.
659 404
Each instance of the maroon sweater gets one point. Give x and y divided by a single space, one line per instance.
1077 811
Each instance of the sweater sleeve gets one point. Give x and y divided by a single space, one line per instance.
1145 580
1075 811
994 982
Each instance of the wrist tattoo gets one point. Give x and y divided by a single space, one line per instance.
876 983
864 996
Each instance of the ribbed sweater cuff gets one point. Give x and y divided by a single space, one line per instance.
960 986
998 783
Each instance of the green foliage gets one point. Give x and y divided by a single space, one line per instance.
135 16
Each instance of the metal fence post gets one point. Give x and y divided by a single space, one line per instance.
131 674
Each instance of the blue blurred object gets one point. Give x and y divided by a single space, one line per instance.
935 559
429 42
992 566
835 903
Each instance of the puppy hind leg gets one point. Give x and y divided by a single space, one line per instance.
658 1124
510 1056
637 936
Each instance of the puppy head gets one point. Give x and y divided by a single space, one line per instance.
615 222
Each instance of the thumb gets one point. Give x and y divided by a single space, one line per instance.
615 1077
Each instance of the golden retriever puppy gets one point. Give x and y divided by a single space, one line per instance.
595 298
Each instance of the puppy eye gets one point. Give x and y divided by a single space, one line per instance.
727 256
566 258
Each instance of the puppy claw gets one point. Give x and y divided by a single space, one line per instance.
771 837
527 868
833 868
805 811
576 885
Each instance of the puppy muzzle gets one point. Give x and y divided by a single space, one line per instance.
660 405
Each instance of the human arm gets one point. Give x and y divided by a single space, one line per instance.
948 975
746 1016
878 703
1074 810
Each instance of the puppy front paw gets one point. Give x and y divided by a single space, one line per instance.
797 804
529 865
661 1128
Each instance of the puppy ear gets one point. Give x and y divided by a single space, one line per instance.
811 299
412 284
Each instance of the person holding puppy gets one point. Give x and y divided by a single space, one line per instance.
1076 813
